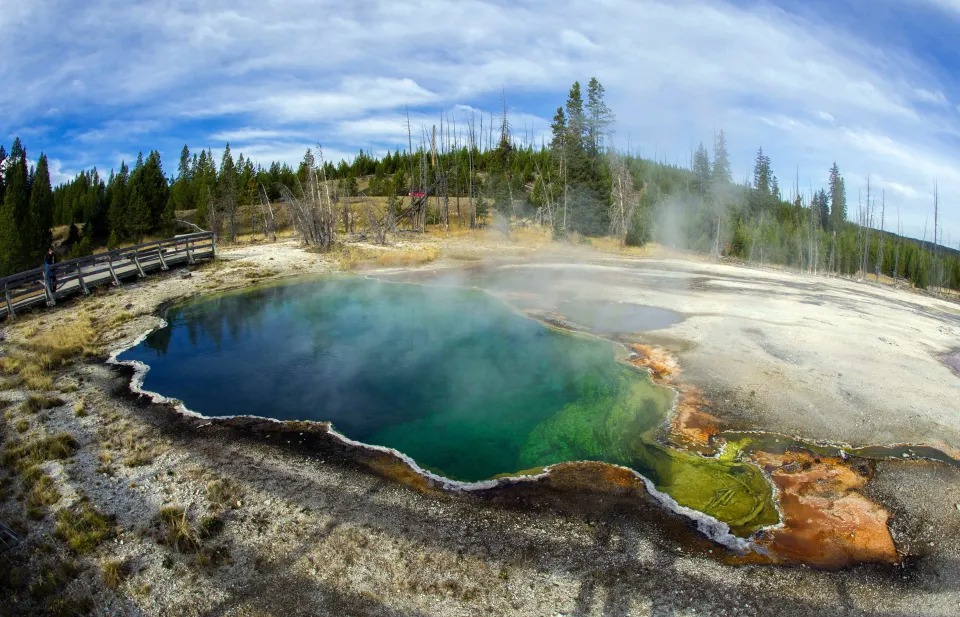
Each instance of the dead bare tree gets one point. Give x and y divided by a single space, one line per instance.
266 213
472 138
883 211
379 223
865 226
936 272
896 248
545 212
624 200
314 214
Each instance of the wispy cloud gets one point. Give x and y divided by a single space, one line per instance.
275 77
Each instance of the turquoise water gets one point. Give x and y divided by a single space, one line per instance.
452 378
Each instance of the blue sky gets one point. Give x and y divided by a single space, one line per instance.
874 86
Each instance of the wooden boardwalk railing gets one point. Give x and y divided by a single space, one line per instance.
73 276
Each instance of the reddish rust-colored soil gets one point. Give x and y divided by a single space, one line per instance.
827 523
691 425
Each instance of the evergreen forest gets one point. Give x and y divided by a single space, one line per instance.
476 172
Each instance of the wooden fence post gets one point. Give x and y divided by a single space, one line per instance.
6 293
83 284
136 262
51 300
113 273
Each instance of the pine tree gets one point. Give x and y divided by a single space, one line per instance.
181 195
761 173
202 187
157 194
138 216
227 191
37 234
701 171
587 179
576 121
13 214
838 199
117 212
599 117
720 174
559 130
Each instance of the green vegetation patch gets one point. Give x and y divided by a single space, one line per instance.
177 531
41 492
55 447
114 573
39 402
83 527
52 577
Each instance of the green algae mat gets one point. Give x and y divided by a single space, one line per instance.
452 378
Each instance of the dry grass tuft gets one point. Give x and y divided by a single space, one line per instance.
31 362
121 318
223 493
114 573
51 578
42 493
62 342
83 528
353 257
70 607
177 531
532 236
408 257
38 403
24 455
137 446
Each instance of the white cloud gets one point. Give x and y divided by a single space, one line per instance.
276 77
935 97
57 173
948 6
251 134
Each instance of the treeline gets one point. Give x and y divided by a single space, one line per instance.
26 210
574 184
133 203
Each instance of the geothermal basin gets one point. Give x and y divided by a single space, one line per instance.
456 380
447 368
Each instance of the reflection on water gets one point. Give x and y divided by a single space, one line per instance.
453 378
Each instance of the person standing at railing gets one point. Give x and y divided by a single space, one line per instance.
49 276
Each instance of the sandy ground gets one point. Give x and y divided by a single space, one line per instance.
311 527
